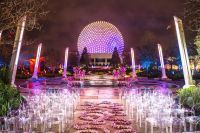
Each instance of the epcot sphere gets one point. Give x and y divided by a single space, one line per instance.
100 37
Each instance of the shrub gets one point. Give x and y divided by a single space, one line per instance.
10 98
128 70
190 97
4 74
154 74
174 75
22 76
196 76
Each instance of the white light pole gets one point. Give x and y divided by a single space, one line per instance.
65 63
133 63
183 52
0 34
37 62
16 50
164 76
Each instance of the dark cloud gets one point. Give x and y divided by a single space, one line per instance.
133 18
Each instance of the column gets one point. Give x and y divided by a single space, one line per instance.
162 62
65 63
0 35
37 62
183 53
16 50
133 63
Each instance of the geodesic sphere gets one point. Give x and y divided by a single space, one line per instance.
100 37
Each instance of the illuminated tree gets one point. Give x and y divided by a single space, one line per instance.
147 54
21 14
11 11
85 60
197 43
192 20
115 60
196 57
192 14
171 61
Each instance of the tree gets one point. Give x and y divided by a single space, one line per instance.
148 38
197 43
21 14
148 54
5 53
53 57
171 61
115 60
192 20
11 12
192 14
85 59
196 57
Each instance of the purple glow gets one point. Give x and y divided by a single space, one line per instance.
100 37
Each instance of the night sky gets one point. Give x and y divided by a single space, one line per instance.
136 19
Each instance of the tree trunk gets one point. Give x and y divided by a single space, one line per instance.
16 50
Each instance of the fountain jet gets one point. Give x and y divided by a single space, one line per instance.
65 63
183 52
133 63
35 73
164 76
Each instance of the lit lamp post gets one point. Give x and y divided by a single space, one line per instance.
37 61
164 76
16 50
133 63
65 63
183 53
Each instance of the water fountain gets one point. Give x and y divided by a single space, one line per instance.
35 76
133 63
65 63
164 76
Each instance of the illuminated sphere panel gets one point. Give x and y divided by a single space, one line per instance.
100 37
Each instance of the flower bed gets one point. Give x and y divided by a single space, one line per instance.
104 117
